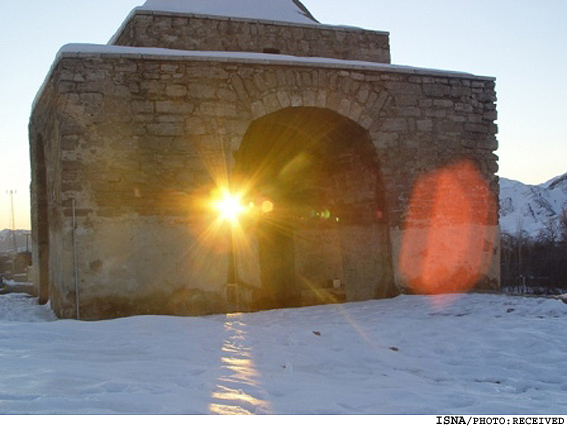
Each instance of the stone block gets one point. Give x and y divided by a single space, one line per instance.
176 91
447 126
173 107
143 107
165 129
395 125
424 125
436 90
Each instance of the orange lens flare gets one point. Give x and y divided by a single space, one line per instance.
450 231
267 207
229 206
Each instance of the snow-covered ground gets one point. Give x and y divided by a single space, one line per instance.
462 354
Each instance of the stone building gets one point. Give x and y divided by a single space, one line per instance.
355 178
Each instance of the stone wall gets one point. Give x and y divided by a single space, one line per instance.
137 142
208 33
48 172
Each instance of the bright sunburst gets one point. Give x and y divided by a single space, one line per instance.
229 206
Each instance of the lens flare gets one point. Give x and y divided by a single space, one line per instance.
267 206
229 206
450 231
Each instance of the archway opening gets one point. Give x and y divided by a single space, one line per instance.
42 221
321 234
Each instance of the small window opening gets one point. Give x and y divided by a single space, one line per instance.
271 51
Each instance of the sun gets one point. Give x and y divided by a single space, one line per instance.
229 206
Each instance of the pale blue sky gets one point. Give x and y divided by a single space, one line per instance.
523 43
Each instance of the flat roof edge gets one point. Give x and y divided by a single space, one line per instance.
260 20
139 11
113 51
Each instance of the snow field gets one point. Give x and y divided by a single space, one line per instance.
459 354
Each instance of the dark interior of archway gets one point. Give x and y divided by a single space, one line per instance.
320 171
41 205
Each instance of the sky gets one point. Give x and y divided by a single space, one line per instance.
522 43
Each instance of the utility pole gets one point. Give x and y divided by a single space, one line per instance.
12 192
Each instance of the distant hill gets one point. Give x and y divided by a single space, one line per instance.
23 240
528 208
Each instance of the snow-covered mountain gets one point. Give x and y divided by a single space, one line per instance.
530 208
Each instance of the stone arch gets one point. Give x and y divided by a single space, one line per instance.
41 205
267 91
321 230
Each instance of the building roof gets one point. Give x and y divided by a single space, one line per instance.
273 10
109 51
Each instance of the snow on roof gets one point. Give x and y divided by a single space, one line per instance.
273 10
90 50
77 49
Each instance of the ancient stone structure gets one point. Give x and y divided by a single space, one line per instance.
357 179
